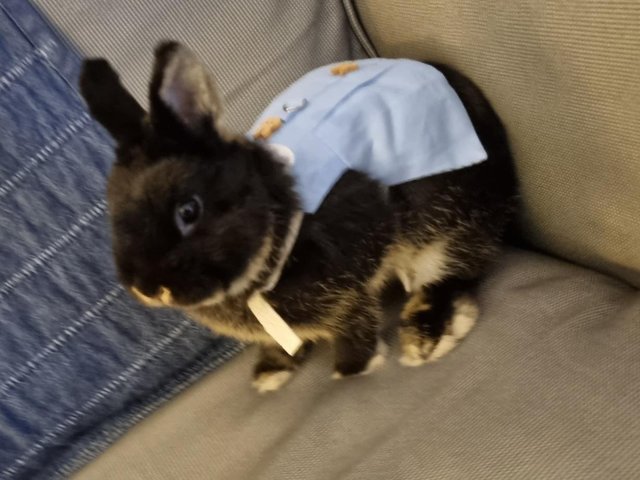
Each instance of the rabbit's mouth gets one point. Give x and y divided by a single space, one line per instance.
163 299
261 273
176 297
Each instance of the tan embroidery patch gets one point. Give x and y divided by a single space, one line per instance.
344 68
268 128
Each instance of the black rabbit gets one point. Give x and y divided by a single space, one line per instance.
201 220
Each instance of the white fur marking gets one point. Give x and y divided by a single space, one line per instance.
411 361
289 242
464 318
376 362
413 355
382 348
258 262
413 266
271 381
444 346
256 266
428 265
241 284
404 279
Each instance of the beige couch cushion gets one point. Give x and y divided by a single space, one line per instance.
545 387
254 48
565 78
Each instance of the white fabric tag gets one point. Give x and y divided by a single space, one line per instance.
274 324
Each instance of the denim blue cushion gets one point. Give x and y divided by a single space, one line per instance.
79 360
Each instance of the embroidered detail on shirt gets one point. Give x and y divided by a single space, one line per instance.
343 68
395 120
267 128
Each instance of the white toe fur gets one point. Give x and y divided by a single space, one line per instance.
376 362
444 346
411 361
382 348
413 355
466 313
271 381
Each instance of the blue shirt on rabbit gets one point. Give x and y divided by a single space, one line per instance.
395 120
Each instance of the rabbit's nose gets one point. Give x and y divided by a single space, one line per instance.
162 297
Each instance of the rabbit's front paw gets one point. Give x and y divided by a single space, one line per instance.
275 367
416 348
421 344
271 381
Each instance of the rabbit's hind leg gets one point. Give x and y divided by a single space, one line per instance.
435 318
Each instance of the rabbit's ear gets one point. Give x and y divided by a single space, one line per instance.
110 103
182 94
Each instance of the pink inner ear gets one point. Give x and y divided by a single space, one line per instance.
188 89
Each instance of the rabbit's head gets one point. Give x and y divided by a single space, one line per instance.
196 215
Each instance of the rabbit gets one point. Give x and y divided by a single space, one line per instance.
201 217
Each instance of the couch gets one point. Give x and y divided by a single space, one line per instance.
548 383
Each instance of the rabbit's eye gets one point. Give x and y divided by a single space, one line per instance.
187 215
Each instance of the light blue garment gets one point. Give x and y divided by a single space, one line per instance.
395 120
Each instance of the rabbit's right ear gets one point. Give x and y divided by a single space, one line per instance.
183 99
110 103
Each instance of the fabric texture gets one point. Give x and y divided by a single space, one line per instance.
546 386
79 361
563 76
356 26
254 48
395 120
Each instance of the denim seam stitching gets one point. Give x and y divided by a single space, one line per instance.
20 68
39 260
25 370
44 153
74 416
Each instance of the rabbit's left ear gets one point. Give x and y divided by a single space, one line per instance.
182 94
